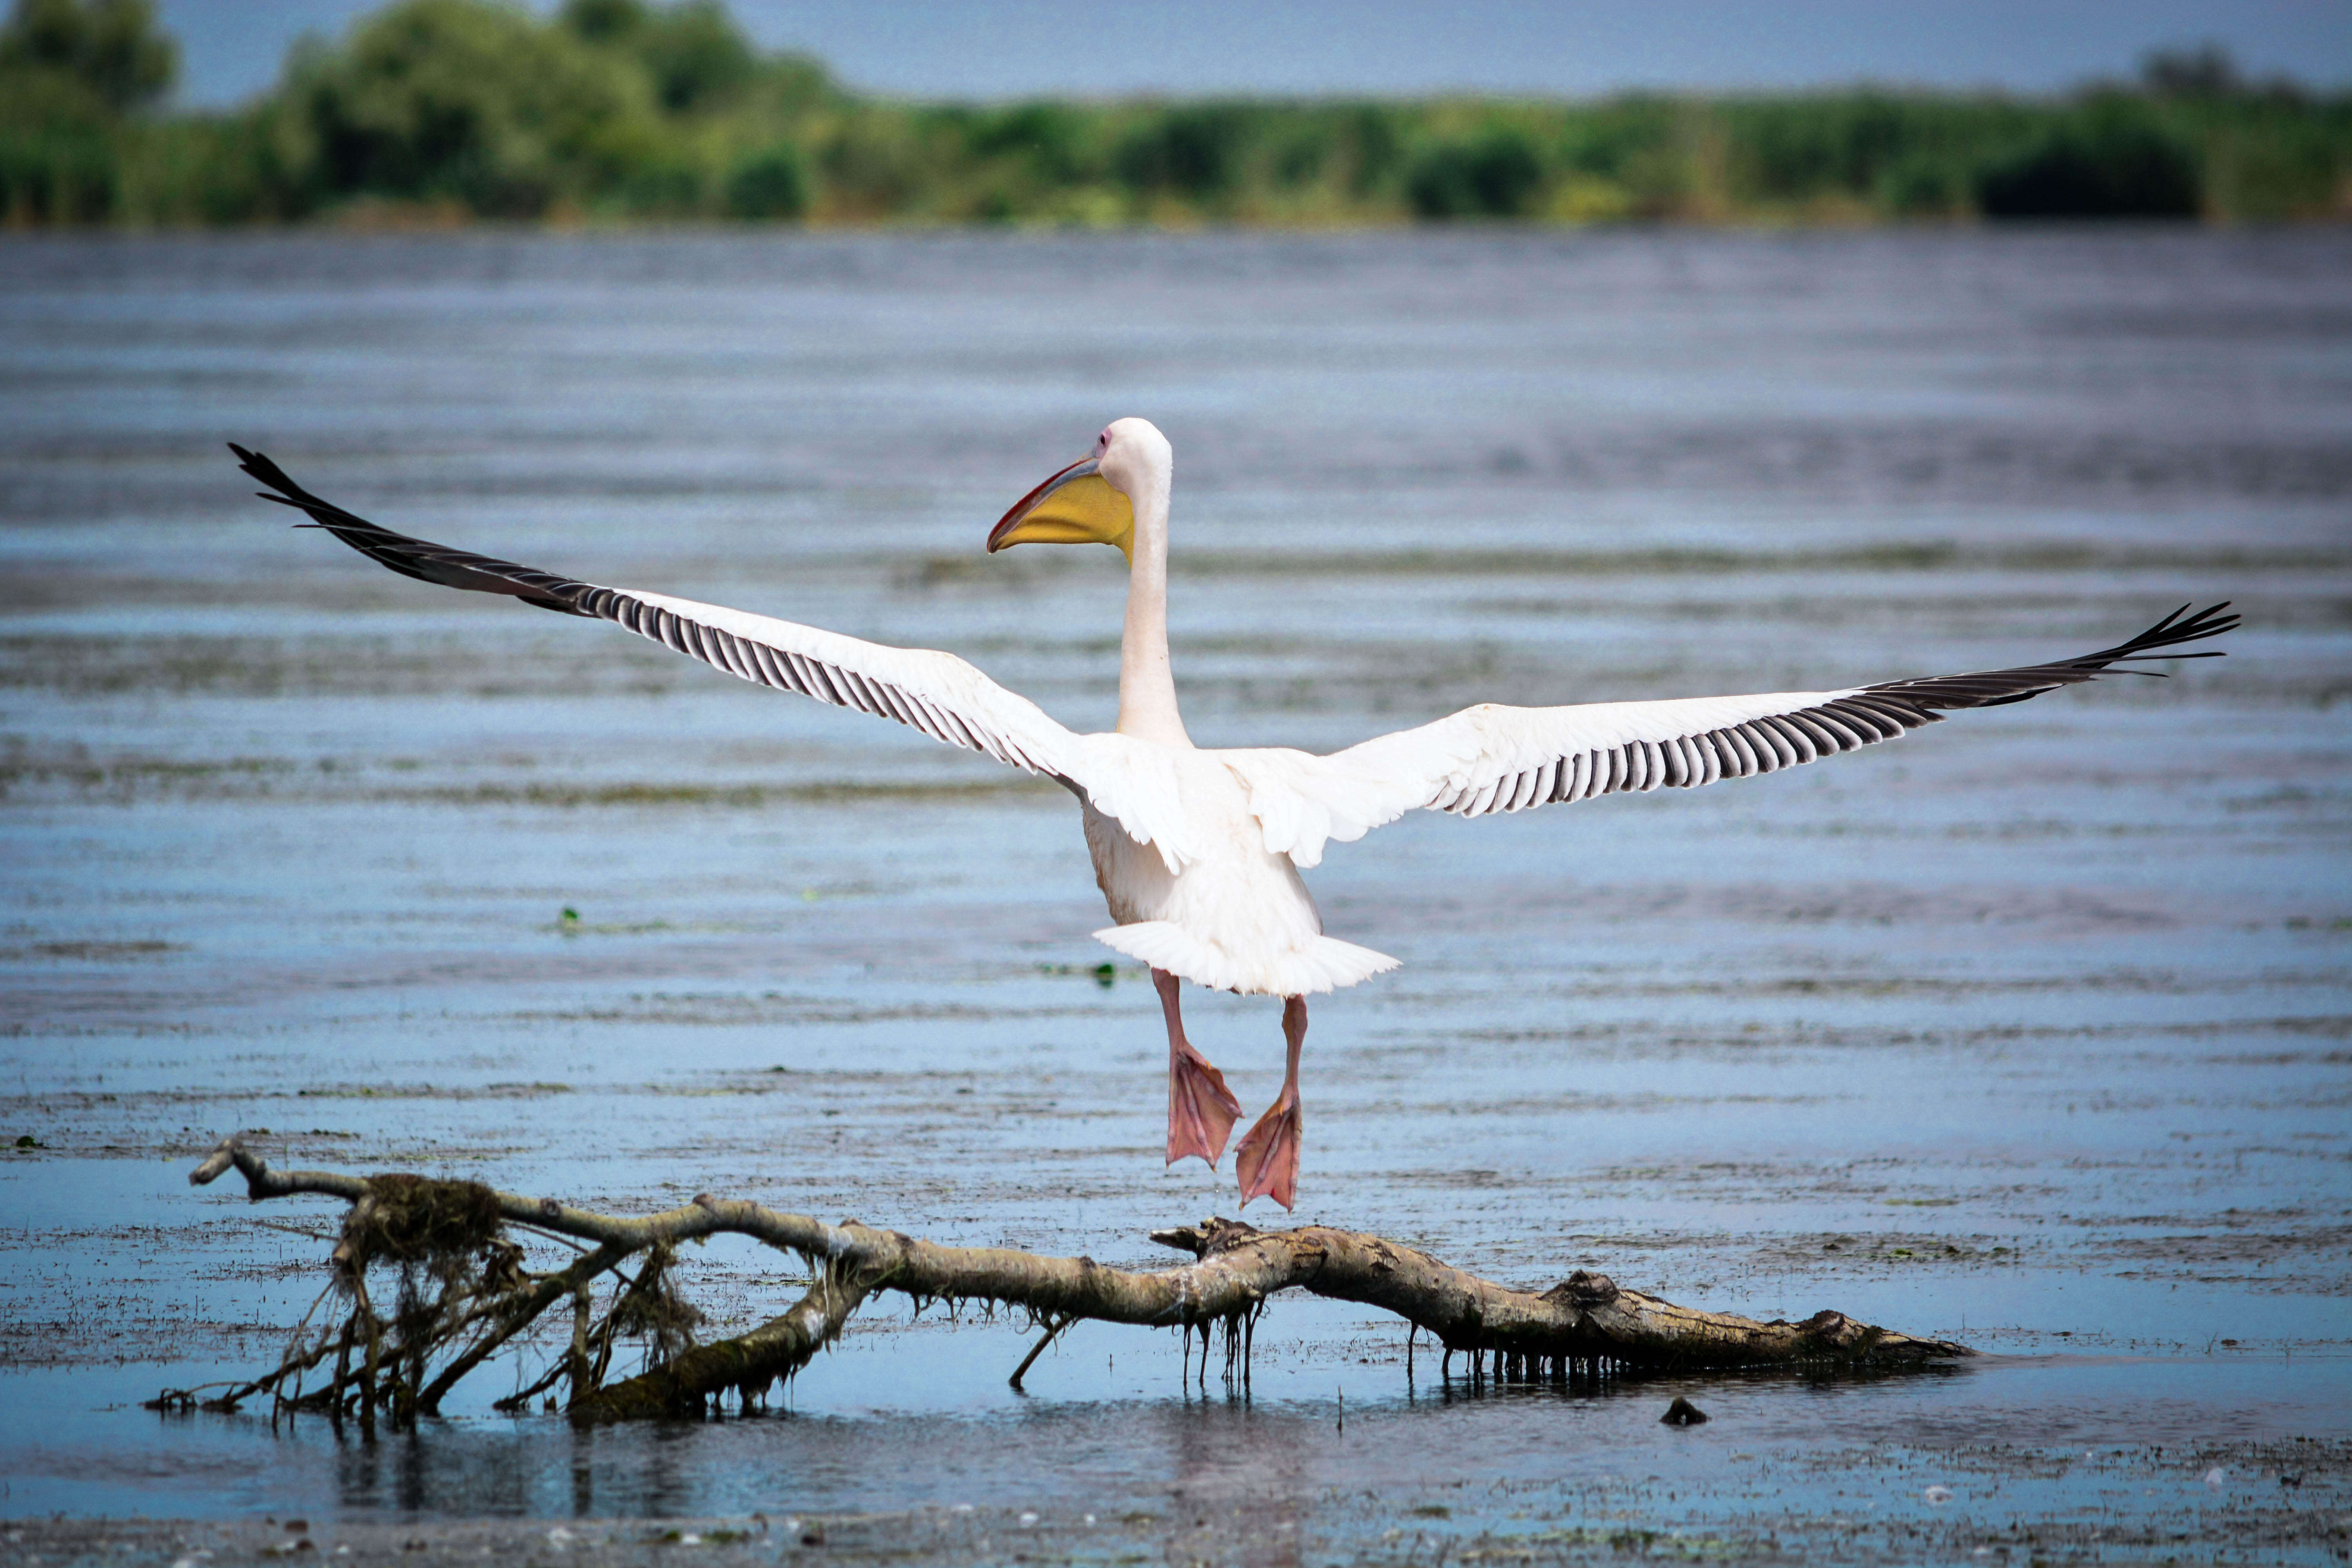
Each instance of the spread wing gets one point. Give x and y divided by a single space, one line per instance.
935 692
1491 758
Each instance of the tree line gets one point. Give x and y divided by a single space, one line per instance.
621 110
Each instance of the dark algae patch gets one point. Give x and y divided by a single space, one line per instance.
408 1219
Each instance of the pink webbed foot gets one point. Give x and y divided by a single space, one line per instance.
1267 1160
1200 1109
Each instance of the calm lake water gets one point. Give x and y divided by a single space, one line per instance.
2029 1030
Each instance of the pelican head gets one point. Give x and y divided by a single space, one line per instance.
1091 502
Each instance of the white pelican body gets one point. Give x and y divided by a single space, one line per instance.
1193 884
1237 919
1198 853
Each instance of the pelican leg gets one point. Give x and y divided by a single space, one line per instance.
1267 1159
1200 1109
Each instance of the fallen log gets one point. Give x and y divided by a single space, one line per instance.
462 1294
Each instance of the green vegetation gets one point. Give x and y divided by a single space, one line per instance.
619 110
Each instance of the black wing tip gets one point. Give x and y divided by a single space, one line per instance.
1998 688
257 465
417 558
2179 626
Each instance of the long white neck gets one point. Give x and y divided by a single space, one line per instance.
1147 685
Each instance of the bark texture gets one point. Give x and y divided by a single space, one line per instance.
462 1294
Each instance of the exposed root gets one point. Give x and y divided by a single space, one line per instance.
463 1292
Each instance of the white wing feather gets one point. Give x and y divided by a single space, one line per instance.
935 692
1490 758
1493 758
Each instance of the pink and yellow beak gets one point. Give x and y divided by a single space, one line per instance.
1076 506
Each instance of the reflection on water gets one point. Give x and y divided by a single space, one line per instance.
2029 1030
1297 1454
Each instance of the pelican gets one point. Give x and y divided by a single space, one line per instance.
1198 852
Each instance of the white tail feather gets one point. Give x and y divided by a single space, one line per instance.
1324 963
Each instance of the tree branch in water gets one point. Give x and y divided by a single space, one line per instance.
462 1293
